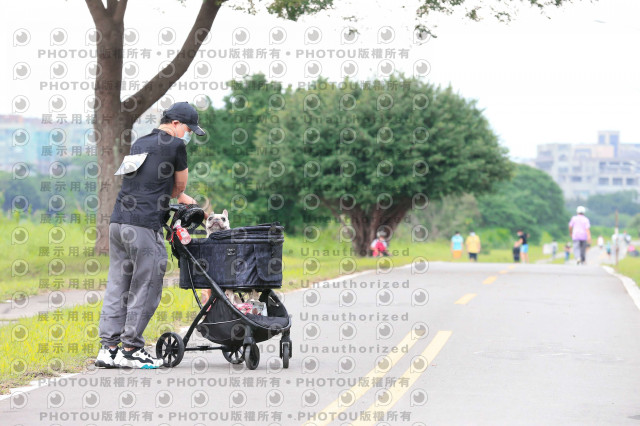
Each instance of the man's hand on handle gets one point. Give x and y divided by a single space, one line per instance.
185 199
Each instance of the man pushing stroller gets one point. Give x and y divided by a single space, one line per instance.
154 172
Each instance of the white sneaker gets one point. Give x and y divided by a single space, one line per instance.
138 358
107 358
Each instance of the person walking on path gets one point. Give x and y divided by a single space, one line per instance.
567 252
456 245
579 228
473 246
524 246
154 172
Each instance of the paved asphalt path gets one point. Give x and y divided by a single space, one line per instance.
478 344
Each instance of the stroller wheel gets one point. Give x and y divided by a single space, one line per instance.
252 356
286 354
170 348
233 356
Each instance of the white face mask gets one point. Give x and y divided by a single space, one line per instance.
186 137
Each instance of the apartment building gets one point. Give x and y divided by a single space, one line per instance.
28 140
582 170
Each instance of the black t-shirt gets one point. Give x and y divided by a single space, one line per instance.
146 193
524 238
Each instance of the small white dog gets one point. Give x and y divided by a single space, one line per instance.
218 222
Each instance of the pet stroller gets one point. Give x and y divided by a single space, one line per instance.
240 259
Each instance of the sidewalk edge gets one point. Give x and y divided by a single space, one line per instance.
630 285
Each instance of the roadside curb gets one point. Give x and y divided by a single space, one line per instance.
630 285
35 384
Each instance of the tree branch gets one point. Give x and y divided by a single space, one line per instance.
375 216
111 6
121 8
392 217
97 10
334 212
158 85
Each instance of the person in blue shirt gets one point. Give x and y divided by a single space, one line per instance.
456 245
524 246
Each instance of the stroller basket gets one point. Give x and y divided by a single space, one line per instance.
240 258
223 325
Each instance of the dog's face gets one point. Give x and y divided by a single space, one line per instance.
218 222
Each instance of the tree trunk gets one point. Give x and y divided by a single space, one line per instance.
114 118
367 223
114 145
361 222
110 121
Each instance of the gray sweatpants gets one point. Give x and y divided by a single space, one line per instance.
137 263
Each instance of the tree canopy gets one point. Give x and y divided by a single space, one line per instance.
532 201
370 153
601 208
502 10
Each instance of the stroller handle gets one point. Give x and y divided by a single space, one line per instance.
191 213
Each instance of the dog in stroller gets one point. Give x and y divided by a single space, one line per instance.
246 259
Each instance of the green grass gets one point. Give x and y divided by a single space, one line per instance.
41 353
67 340
34 265
630 266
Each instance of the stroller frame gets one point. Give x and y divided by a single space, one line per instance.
171 346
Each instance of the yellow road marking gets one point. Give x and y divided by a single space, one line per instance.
511 267
398 389
373 376
504 271
465 299
490 279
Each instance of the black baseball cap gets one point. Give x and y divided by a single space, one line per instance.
184 113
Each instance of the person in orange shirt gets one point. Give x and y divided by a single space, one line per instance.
473 246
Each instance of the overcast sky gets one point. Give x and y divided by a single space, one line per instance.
539 80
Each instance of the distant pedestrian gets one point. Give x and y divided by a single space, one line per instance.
379 246
600 242
567 252
579 228
456 245
554 249
524 246
473 246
